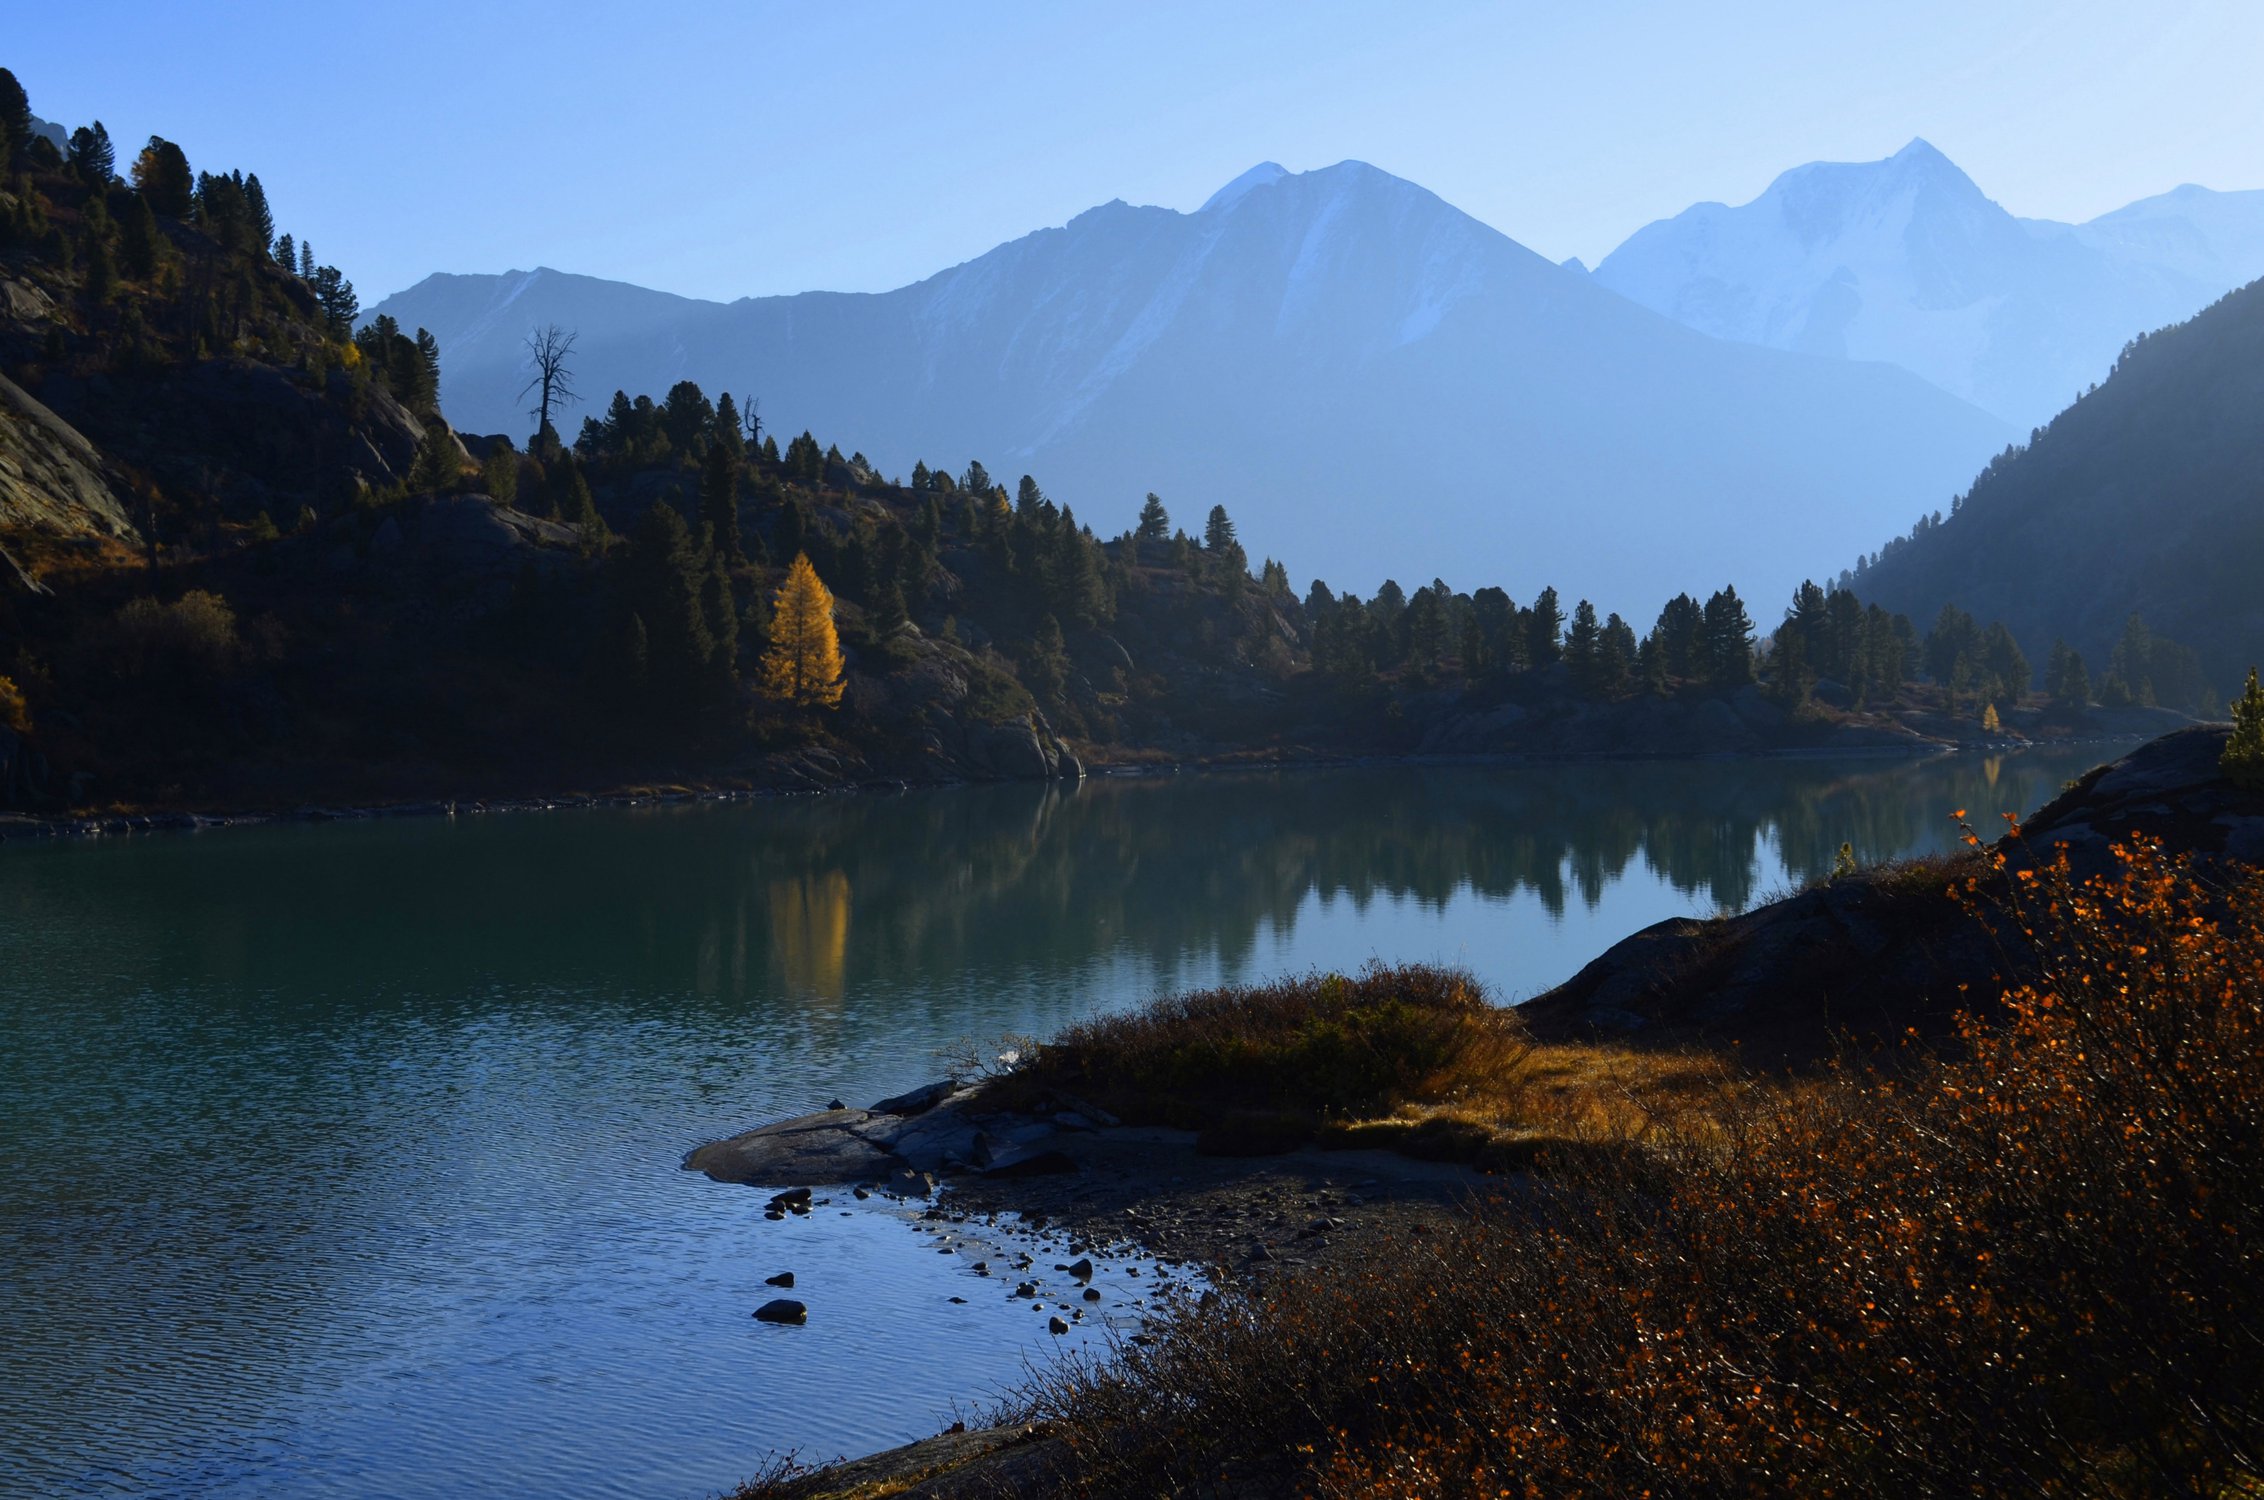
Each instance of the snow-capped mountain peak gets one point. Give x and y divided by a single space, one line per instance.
1263 174
1907 260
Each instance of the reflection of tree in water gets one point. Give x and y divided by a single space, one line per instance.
809 933
992 886
1044 881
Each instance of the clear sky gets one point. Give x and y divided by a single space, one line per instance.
724 150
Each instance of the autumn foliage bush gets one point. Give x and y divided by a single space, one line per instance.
2028 1266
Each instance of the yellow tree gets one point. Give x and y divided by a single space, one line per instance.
803 664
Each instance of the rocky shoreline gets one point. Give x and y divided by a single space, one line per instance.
1068 1167
1059 1177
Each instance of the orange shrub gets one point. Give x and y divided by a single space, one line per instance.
2031 1269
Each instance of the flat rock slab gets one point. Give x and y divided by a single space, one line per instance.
808 1152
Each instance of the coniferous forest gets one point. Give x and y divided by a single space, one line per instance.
278 576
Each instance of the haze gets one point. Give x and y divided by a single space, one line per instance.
778 148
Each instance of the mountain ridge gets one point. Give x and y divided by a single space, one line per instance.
1309 346
1906 259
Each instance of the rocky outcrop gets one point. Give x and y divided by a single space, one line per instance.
52 480
938 1130
1022 749
1871 956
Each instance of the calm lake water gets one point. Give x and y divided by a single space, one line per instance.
343 1159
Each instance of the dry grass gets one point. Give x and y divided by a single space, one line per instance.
2028 1267
1415 1059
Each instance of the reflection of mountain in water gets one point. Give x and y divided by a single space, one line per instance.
915 895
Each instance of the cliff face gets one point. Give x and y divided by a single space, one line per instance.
1870 957
51 477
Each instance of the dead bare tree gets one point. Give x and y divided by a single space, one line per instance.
547 348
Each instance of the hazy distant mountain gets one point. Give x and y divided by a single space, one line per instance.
2145 496
1905 260
1371 381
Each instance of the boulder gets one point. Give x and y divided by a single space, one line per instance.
815 1149
783 1310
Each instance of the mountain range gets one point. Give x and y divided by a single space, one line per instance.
1906 260
1371 381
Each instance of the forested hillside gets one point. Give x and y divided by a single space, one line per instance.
2145 497
248 563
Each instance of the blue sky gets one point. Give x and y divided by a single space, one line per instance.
727 150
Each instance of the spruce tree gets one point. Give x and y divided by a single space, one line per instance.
2243 759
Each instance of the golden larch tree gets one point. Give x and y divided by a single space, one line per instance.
803 664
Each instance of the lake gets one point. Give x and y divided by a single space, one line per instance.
342 1159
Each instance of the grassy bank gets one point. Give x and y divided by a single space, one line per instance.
1415 1058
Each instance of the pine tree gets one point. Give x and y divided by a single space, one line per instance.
424 373
15 118
803 665
719 500
101 270
571 501
726 433
161 176
1218 531
1583 648
1155 521
139 239
2066 682
259 216
2243 759
1046 667
1544 629
499 475
1728 641
665 576
719 609
92 155
438 464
